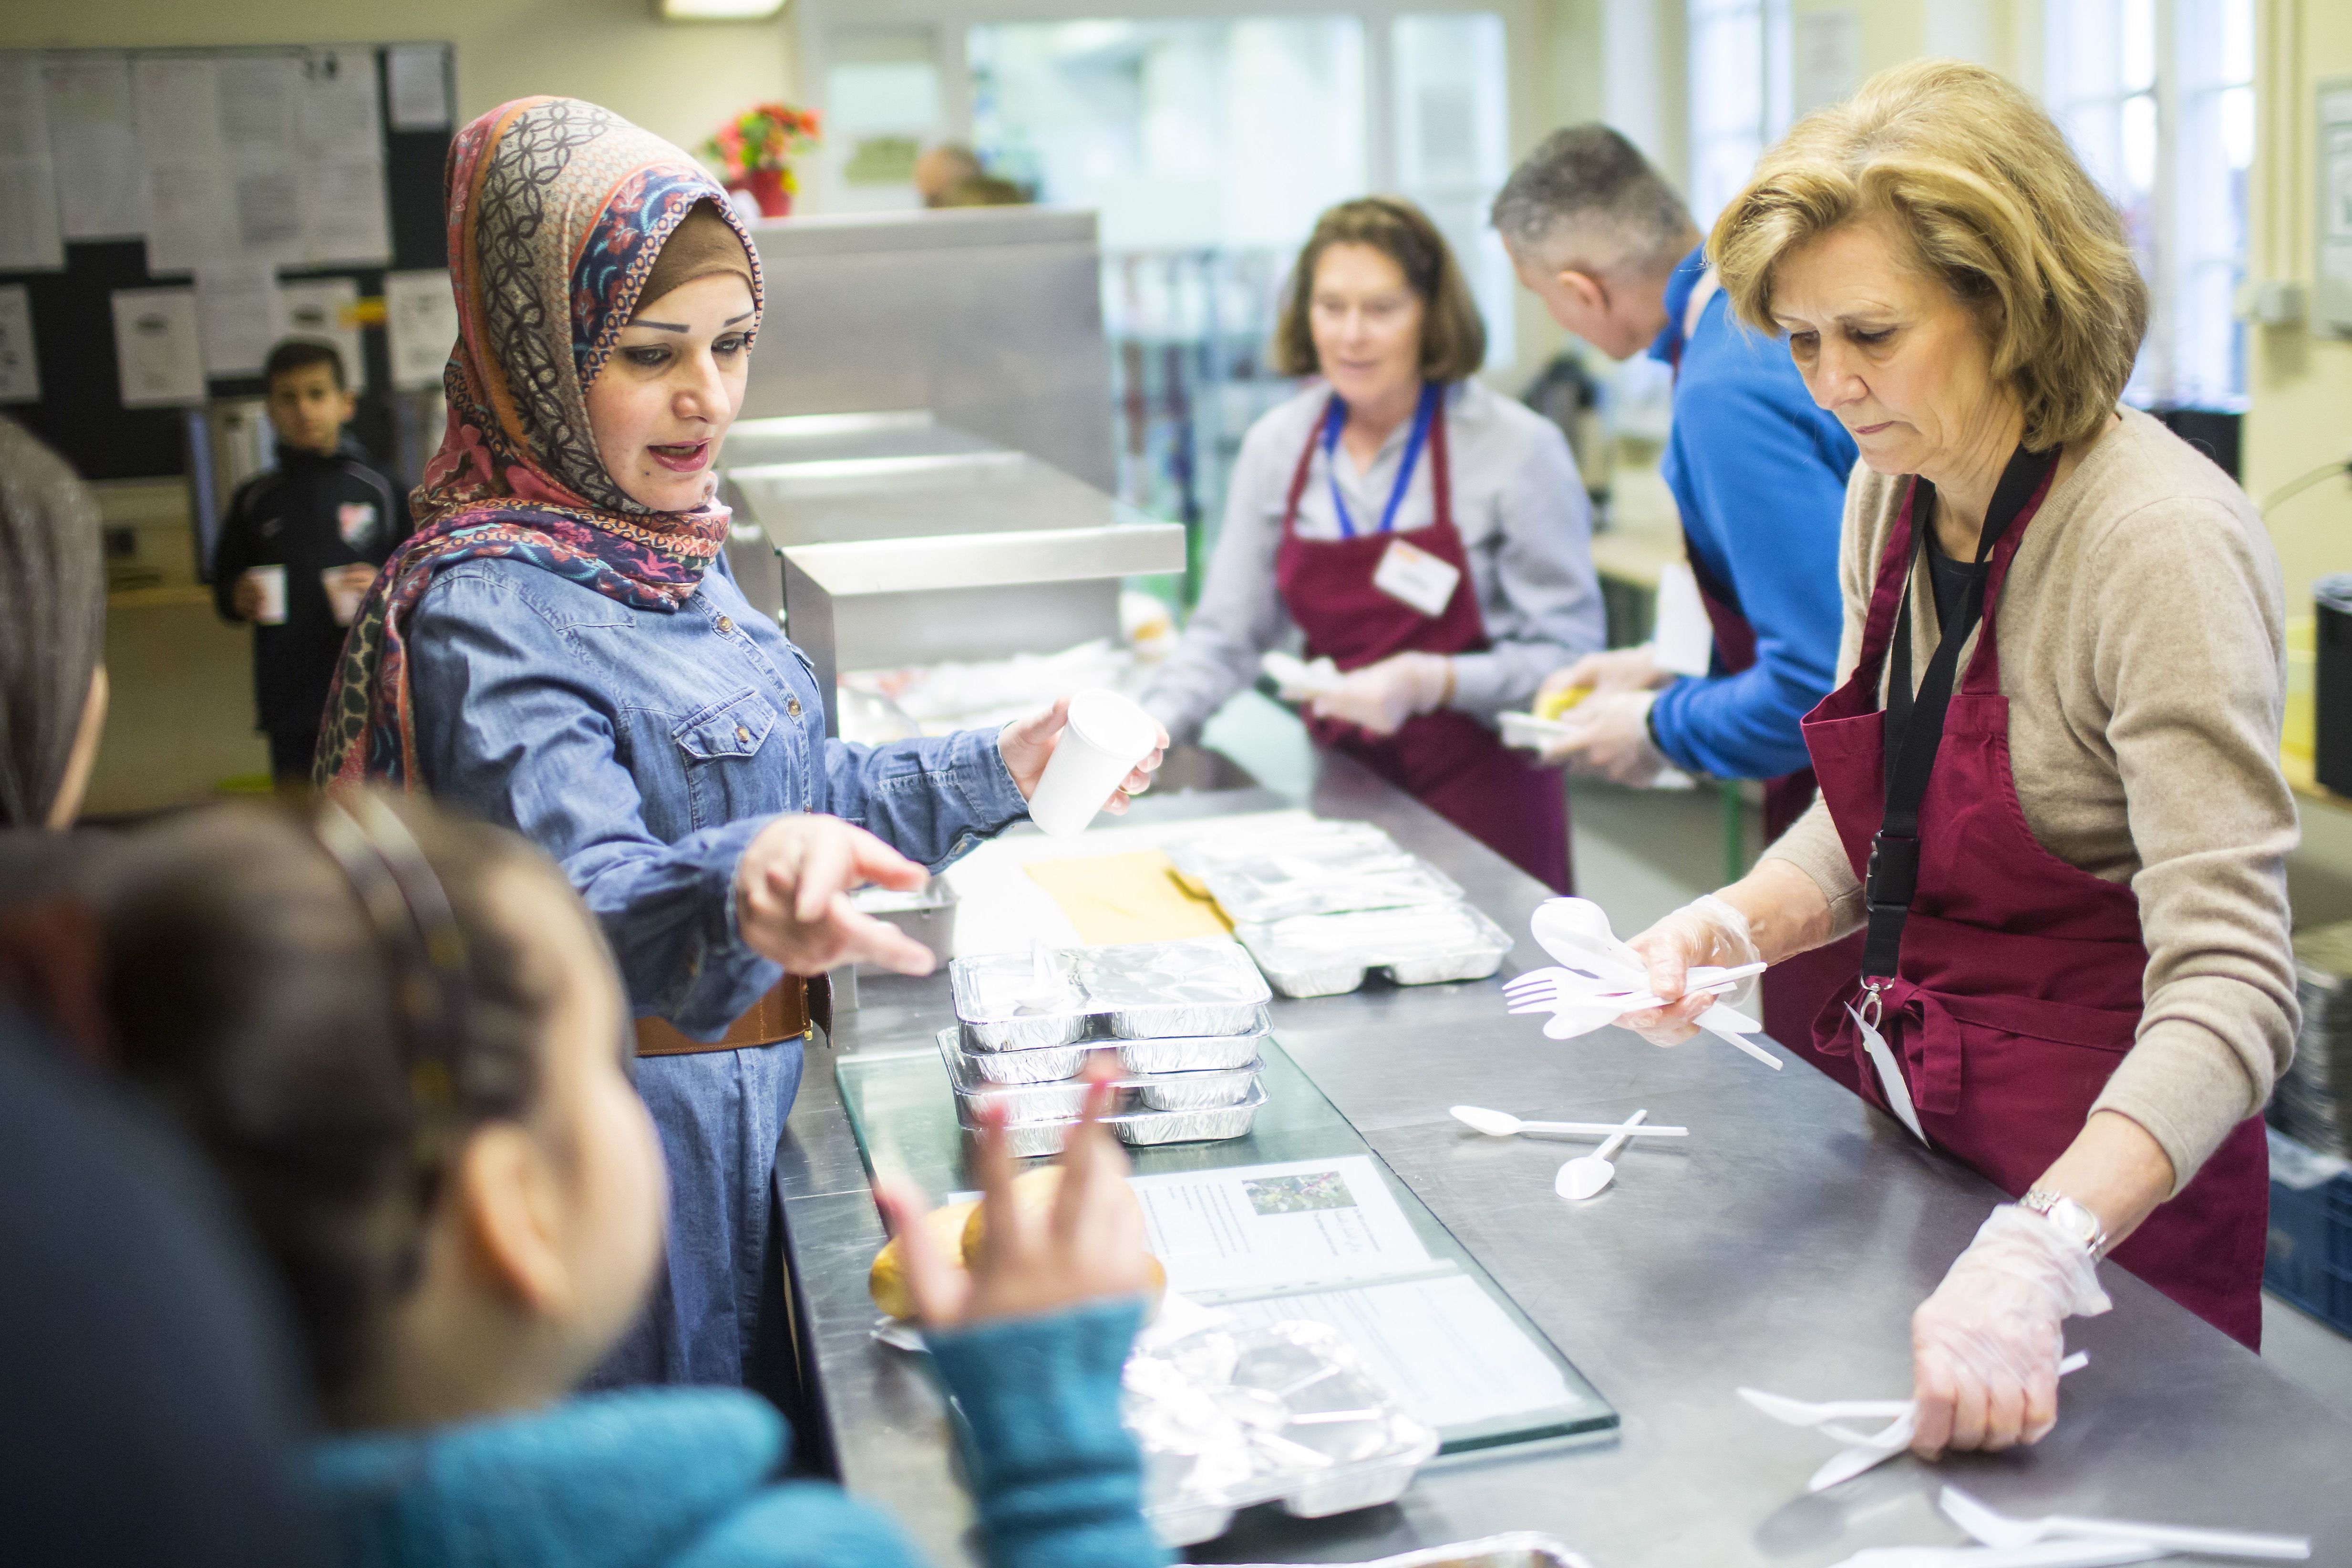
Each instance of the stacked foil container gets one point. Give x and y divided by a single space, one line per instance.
2312 1101
1183 1020
1320 905
1230 1416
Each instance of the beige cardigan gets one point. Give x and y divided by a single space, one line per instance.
2142 652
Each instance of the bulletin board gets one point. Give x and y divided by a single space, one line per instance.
236 170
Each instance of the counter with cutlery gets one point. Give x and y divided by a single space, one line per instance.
1666 1234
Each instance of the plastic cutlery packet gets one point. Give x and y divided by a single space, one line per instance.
1153 990
1061 1099
1229 1416
1423 944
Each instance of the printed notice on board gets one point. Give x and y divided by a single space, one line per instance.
157 352
420 321
94 142
1256 1228
30 237
1451 1352
321 308
20 368
418 74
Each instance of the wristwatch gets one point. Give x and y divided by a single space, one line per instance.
2074 1221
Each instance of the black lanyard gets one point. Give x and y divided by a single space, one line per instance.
1915 726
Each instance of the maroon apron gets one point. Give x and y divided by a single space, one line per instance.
2019 987
1448 760
1795 989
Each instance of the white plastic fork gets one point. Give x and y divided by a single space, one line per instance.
1867 1450
1996 1529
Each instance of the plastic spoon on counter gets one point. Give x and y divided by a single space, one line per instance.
1586 1174
1503 1124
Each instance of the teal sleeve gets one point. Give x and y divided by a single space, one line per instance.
1056 1479
806 1524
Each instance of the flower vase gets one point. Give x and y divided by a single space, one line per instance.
767 188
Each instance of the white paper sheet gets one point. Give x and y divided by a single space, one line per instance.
31 239
418 75
346 207
1446 1346
315 308
1684 639
1254 1228
191 192
20 367
157 354
94 144
237 316
420 326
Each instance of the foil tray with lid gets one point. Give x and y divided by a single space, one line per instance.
1175 1053
1213 1088
1426 944
1232 1415
1137 1129
1152 990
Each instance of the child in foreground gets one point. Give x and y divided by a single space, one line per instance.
402 1040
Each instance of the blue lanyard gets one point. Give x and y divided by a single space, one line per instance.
1337 417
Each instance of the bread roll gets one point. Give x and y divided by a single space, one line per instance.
886 1281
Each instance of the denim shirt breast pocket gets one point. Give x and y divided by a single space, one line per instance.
718 748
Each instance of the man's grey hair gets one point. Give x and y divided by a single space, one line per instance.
1588 197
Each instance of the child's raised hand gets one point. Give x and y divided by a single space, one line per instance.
1086 1244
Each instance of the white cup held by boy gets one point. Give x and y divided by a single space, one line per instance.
1107 736
270 582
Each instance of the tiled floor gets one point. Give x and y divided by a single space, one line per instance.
1642 853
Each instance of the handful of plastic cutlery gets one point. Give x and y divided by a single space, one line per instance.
1864 1451
1599 980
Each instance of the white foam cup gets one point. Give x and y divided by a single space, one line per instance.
272 581
344 601
1106 737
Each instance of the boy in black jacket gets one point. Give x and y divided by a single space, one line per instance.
300 546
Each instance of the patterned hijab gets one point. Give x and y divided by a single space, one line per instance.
558 210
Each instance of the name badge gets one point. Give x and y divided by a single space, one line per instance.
1413 576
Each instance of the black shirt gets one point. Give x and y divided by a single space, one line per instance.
1948 579
310 513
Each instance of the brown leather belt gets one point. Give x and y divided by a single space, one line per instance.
783 1014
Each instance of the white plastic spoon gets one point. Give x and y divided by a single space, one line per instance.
1586 1174
1503 1124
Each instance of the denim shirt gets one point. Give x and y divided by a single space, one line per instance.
645 751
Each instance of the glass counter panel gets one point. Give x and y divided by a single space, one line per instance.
903 1114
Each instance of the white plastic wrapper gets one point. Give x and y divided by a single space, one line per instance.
1228 1416
1323 956
1149 990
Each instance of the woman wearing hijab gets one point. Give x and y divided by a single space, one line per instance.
560 648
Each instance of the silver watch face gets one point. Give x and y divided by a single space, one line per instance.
2069 1216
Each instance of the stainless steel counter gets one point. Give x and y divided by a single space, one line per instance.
1785 1247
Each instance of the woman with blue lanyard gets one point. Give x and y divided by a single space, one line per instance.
1429 537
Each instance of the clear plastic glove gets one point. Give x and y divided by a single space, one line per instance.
1985 1347
1705 930
1378 698
1608 735
1614 670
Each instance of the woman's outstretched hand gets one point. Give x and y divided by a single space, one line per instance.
1027 745
792 898
1086 1246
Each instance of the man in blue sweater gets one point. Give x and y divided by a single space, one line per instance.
1758 472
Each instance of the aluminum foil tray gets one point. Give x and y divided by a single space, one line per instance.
1141 1127
1149 990
1357 845
1280 885
1182 1053
1062 1100
1228 1416
1323 956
